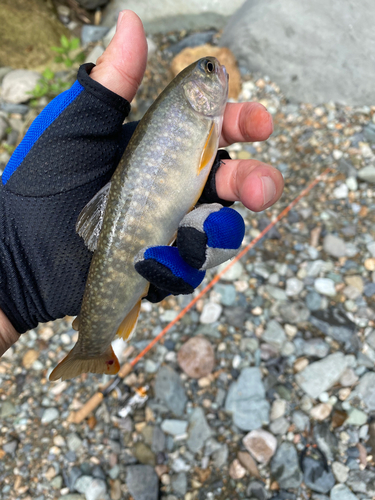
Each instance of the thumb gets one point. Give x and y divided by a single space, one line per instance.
122 65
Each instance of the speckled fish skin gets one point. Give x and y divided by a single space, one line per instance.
157 182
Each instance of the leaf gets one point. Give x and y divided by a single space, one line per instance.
64 42
59 50
48 74
59 59
74 43
68 62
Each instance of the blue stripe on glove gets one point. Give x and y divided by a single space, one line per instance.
39 125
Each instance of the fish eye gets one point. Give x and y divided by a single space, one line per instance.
209 67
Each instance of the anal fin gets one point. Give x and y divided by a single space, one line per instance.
74 364
129 323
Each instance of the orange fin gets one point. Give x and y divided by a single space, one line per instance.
210 148
73 365
75 324
129 323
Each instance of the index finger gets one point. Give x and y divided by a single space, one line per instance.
245 122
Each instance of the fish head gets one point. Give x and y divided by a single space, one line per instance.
205 85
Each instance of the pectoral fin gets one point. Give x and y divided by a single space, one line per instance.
210 148
90 220
74 364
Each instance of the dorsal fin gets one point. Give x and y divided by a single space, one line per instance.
90 220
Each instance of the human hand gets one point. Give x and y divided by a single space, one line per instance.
44 262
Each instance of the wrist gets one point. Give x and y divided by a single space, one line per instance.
8 334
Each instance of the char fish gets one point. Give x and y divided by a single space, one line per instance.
157 182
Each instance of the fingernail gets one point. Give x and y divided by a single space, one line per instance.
120 16
269 189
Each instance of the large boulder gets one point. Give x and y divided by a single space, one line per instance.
317 51
169 15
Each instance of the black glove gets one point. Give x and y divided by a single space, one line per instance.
69 153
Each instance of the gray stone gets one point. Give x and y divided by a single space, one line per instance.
193 40
142 482
198 431
169 388
325 286
365 390
174 427
74 441
171 15
246 400
315 348
274 334
7 409
362 481
91 33
267 48
233 272
158 440
276 292
313 301
227 293
92 487
367 173
49 415
211 312
340 472
342 492
179 483
334 246
316 476
294 312
9 107
220 456
10 447
334 323
18 84
326 440
279 426
285 466
321 375
301 421
293 287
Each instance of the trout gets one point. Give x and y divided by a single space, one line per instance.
156 183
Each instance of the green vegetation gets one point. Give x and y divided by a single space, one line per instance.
65 52
50 85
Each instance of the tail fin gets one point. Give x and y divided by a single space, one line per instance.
73 365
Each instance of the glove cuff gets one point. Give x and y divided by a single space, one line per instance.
209 194
96 89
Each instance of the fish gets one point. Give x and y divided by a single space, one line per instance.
158 180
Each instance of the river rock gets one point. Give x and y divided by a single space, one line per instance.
171 15
142 482
365 390
196 357
342 492
198 431
246 400
321 375
18 84
266 47
169 388
285 466
261 444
